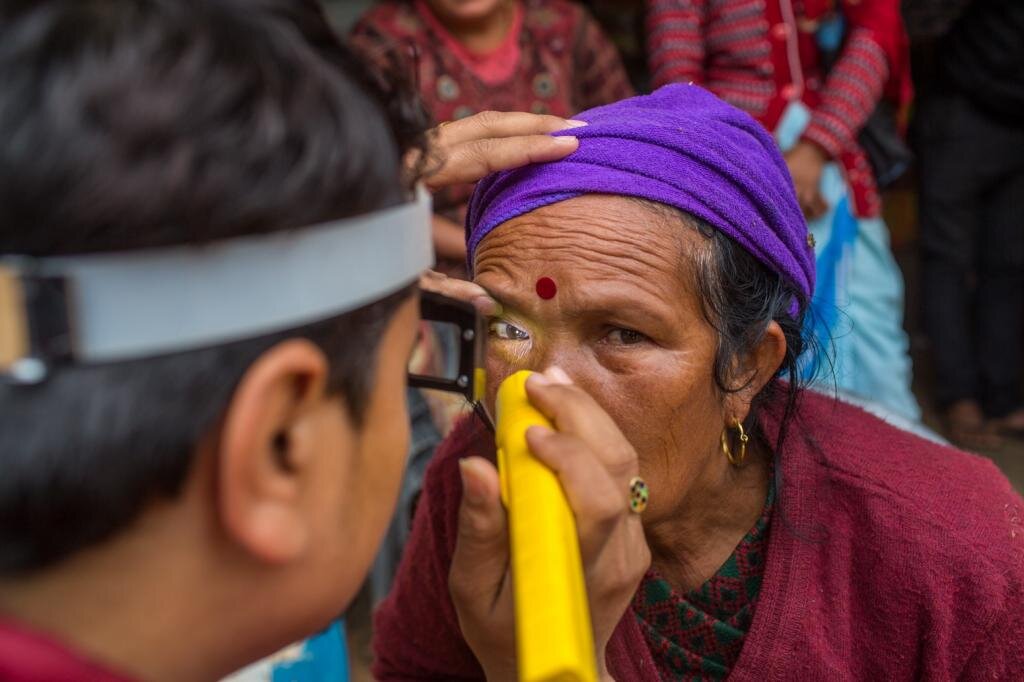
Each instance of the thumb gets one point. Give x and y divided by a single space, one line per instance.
480 561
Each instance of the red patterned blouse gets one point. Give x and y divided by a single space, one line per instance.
556 60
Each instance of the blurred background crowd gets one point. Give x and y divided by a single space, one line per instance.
903 129
918 106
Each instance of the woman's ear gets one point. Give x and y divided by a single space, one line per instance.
265 452
754 370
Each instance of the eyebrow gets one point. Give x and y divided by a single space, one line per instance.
628 314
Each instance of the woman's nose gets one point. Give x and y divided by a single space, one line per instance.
564 356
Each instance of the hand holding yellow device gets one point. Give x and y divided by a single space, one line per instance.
554 636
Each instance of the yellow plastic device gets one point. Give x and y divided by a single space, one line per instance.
554 638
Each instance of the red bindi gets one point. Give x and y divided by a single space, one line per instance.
546 288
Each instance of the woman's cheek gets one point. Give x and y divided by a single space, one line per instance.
502 362
641 387
642 362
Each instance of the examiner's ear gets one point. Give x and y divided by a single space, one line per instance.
265 451
755 370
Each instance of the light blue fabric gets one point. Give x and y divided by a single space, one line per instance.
857 312
829 35
324 659
321 658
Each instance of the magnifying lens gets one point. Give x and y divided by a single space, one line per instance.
451 351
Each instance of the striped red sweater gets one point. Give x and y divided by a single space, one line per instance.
761 54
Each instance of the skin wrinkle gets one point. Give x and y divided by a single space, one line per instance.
614 251
662 394
594 270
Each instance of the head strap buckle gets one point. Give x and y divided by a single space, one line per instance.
35 331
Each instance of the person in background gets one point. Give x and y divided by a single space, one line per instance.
970 134
541 56
767 58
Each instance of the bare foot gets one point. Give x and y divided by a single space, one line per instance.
967 427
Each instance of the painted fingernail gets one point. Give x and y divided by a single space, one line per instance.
573 123
557 375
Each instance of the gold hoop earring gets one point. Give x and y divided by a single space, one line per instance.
744 438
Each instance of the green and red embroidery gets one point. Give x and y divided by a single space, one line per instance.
699 635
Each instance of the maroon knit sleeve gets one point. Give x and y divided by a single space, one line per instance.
601 78
675 40
999 655
852 91
416 630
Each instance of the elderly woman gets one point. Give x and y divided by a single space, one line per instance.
660 275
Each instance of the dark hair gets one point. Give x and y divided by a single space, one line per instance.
739 298
129 124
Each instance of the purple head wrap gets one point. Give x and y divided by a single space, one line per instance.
680 146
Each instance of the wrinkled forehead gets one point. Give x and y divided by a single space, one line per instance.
680 146
592 241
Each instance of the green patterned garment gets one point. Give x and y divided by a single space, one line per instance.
699 635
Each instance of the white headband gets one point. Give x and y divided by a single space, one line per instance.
136 304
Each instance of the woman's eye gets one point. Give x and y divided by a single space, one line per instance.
626 337
500 329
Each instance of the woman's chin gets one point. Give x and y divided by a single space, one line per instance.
467 11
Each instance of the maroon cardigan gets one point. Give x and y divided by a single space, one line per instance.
889 558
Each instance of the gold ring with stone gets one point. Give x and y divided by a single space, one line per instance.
639 495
